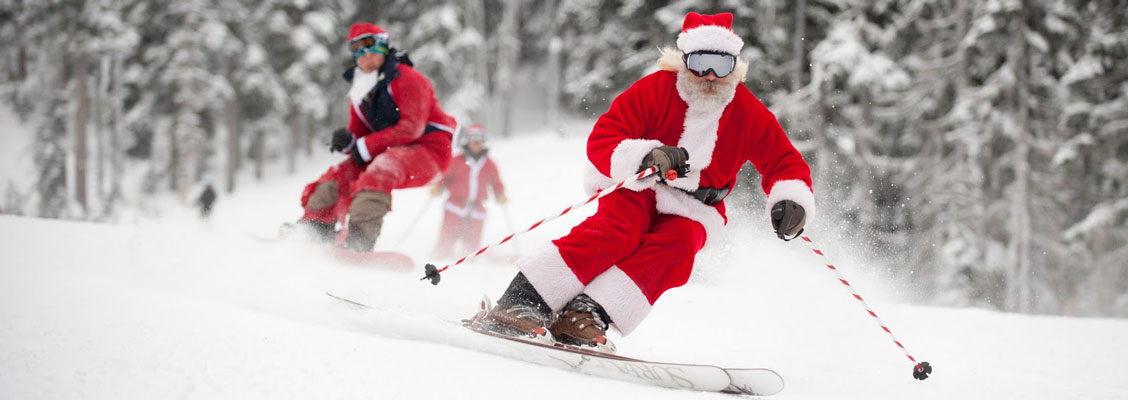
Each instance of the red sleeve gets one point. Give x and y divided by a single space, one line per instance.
774 156
786 176
413 94
626 119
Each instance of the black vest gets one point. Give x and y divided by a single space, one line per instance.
378 106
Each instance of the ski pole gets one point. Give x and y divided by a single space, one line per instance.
920 369
432 273
415 221
509 226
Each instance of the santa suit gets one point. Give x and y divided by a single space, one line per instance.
642 239
401 134
468 179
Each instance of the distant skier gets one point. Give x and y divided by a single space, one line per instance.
468 178
698 124
206 199
397 137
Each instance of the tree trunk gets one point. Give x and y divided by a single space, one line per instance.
552 71
234 151
81 119
475 17
798 47
508 49
963 21
1019 249
293 145
117 167
769 21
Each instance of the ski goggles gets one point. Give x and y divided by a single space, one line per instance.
701 62
367 44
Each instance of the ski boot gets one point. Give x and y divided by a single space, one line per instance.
583 324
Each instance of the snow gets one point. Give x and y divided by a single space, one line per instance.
179 308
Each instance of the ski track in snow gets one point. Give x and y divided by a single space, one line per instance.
178 308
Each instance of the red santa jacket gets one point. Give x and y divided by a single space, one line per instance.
398 109
719 134
467 180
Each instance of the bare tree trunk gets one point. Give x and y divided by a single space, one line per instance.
294 139
1019 248
100 97
310 134
117 167
797 45
508 49
963 21
552 70
768 25
81 119
231 121
480 72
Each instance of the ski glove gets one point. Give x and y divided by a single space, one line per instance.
670 160
788 219
342 140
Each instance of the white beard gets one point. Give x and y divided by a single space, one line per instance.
362 83
703 95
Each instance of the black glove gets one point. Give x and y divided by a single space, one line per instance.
342 138
788 219
667 158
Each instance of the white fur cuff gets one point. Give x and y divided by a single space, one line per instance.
550 275
794 190
626 159
710 37
621 298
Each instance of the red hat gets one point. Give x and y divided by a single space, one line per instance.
363 29
475 132
709 32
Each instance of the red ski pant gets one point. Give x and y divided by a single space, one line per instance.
398 167
625 257
457 229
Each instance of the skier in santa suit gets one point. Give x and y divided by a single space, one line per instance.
698 124
470 177
397 137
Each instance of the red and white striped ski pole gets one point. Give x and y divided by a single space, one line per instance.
920 369
432 273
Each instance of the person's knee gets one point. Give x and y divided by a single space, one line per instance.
324 195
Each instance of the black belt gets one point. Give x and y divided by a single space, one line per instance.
708 195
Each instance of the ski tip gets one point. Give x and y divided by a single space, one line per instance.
921 371
431 273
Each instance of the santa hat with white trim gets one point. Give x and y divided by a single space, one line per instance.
709 33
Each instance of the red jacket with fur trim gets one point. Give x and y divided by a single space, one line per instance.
408 112
719 138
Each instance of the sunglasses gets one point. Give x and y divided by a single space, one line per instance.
701 62
367 44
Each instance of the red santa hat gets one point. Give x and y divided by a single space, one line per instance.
362 30
709 32
476 132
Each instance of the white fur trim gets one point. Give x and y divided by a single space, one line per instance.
362 83
675 202
626 159
620 297
669 201
794 190
362 147
710 37
549 274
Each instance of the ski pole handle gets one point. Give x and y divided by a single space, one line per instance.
433 274
920 369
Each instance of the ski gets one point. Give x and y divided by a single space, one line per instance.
697 377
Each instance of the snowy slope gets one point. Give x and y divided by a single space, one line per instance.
182 308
